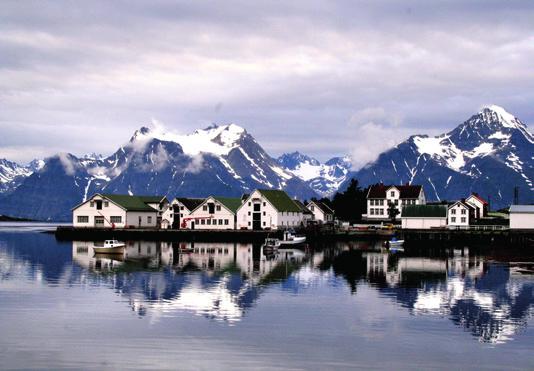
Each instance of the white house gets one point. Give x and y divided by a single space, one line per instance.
179 209
214 213
380 196
480 205
424 216
269 209
460 214
522 217
307 215
115 211
321 212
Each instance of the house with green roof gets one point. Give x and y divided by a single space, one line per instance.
269 209
213 213
179 209
424 216
119 211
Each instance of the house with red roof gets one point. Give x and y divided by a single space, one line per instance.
481 206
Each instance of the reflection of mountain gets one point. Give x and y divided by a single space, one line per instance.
227 278
481 297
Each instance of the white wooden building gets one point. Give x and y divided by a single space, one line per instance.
214 213
380 196
480 205
269 209
179 209
307 215
321 212
424 216
460 214
115 211
522 217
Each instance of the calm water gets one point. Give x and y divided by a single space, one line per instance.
230 306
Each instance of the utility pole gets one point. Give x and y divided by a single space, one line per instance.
516 195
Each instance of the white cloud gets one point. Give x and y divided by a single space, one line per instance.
68 165
196 164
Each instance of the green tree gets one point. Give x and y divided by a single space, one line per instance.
350 204
392 211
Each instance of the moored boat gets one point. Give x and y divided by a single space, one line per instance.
110 247
292 239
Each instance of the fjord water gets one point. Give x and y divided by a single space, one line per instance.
231 306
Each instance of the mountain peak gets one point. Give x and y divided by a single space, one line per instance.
493 113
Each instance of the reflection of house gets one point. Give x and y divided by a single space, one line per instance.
268 209
380 196
214 213
424 216
321 212
522 217
460 214
118 211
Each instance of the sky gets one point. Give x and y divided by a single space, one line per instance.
326 78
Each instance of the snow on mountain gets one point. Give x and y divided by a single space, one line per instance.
490 153
219 160
325 178
12 174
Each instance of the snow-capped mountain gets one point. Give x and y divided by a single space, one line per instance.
324 179
490 153
219 160
12 175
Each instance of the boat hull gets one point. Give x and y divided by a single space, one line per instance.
109 250
294 241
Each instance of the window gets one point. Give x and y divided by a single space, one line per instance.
453 219
149 219
208 222
463 211
372 211
226 222
250 203
249 224
396 202
205 208
381 202
249 213
98 204
463 219
220 222
203 221
181 207
453 211
115 219
264 213
83 219
371 202
392 193
218 207
381 211
92 204
264 224
106 204
264 204
257 207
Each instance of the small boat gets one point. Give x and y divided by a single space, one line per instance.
110 247
271 244
394 245
291 239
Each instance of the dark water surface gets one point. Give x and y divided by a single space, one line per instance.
231 306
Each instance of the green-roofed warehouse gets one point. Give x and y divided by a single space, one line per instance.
213 213
424 216
269 209
119 211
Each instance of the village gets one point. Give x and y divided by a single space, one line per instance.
402 207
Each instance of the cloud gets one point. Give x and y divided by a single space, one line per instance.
196 165
82 76
68 165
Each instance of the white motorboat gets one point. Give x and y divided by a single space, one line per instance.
110 247
271 244
291 239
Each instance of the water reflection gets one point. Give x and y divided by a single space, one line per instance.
227 279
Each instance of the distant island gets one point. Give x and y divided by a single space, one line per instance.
5 218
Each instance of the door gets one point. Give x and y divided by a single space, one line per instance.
192 224
99 221
176 218
256 221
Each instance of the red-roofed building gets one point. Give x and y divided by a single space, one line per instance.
380 195
481 206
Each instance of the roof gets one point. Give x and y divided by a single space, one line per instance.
406 191
303 207
467 205
191 203
424 211
151 199
522 209
280 200
476 195
230 203
130 203
324 207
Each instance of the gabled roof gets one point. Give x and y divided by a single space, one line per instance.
522 209
470 207
230 203
280 200
324 207
190 203
130 203
152 199
406 191
424 211
303 207
477 196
